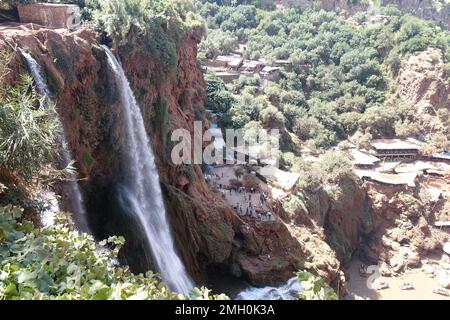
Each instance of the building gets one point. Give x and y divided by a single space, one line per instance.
362 160
283 64
402 179
270 73
228 76
252 67
220 61
50 15
235 64
395 148
443 156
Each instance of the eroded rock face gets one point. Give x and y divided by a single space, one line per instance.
422 79
402 233
437 10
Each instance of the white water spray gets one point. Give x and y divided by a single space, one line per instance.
143 188
288 291
71 189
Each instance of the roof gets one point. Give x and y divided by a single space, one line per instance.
236 62
282 61
252 64
362 158
270 69
442 155
284 179
393 179
393 144
226 58
442 224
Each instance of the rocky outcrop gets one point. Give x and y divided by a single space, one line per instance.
436 10
423 80
403 232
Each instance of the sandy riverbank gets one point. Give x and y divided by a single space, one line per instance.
423 286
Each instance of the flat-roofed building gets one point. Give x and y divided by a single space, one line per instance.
442 156
50 15
252 66
220 61
228 76
270 73
395 148
402 179
283 64
235 64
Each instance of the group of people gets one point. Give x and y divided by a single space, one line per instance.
263 198
244 198
250 210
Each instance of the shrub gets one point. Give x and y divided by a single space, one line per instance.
314 287
28 130
60 263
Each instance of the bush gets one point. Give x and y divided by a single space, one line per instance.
60 263
314 288
28 130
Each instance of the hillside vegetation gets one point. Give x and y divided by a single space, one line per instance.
343 73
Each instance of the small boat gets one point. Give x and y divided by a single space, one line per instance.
407 286
441 291
382 285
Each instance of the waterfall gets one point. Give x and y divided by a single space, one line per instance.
288 291
141 187
71 189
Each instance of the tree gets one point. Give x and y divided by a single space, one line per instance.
218 97
271 117
29 131
238 172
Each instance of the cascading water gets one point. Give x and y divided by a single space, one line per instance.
142 189
288 291
71 189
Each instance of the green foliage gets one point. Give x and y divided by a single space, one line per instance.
60 263
125 21
28 130
314 288
339 80
217 43
218 97
331 168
